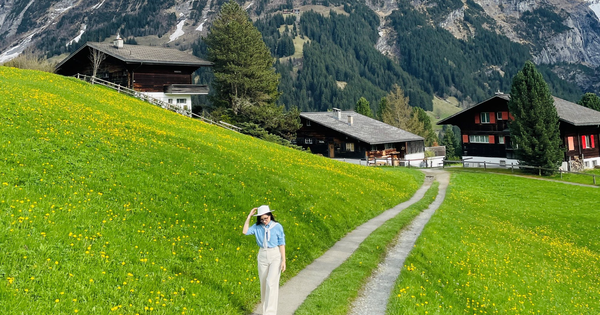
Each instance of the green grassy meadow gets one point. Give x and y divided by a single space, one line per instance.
505 245
111 205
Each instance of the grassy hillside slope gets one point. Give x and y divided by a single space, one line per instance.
505 245
110 204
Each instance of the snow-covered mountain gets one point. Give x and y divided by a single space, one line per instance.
564 34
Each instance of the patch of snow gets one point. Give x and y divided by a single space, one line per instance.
76 39
596 8
62 10
98 5
178 32
251 3
16 51
201 27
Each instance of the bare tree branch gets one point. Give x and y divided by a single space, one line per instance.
96 57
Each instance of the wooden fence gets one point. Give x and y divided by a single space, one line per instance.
518 166
145 97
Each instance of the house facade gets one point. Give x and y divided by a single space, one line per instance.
163 73
486 135
347 134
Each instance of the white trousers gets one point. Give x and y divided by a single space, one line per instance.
269 271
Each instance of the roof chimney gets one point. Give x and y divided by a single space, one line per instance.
118 43
350 120
337 114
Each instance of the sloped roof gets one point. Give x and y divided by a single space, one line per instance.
145 54
444 121
364 128
576 114
568 112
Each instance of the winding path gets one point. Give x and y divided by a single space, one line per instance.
297 289
376 292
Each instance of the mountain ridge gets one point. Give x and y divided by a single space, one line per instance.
564 35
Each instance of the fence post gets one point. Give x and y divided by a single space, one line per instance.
560 171
512 167
540 170
484 165
443 163
594 179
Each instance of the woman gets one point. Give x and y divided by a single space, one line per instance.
271 255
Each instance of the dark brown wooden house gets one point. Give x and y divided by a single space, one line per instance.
347 134
163 73
486 136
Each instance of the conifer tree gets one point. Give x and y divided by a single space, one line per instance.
400 114
243 65
383 106
431 138
590 100
245 82
534 130
363 107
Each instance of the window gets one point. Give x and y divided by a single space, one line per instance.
181 101
587 142
485 117
350 147
571 143
501 139
308 123
170 101
308 141
479 139
499 115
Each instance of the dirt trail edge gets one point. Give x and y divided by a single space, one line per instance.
295 290
376 292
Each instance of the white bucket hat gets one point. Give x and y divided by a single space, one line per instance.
264 209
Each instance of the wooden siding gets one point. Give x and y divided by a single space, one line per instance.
470 124
320 140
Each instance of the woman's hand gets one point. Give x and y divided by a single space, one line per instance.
247 223
283 265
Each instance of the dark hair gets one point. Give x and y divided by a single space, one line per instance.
259 222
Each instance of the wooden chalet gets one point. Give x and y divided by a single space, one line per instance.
162 73
347 134
486 136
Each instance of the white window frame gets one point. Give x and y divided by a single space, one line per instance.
500 139
170 101
498 115
308 141
308 123
588 142
182 101
479 139
483 115
349 146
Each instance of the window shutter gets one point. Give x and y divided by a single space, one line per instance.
583 146
465 138
504 115
592 141
492 139
492 118
477 119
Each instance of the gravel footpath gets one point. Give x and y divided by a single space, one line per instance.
376 292
295 290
